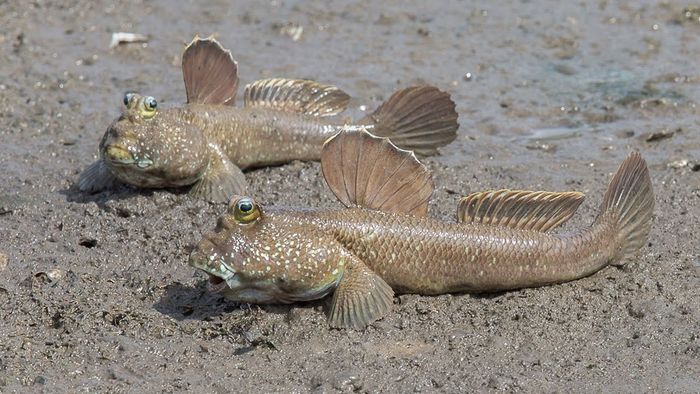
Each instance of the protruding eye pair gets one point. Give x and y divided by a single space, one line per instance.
146 105
245 210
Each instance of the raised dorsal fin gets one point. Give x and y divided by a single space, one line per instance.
210 72
296 95
525 210
371 172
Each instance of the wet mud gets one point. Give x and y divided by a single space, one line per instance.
95 291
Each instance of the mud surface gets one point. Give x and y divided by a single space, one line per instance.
95 292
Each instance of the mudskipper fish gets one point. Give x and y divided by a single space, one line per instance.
383 242
207 142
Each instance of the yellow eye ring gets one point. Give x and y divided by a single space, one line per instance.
245 211
148 109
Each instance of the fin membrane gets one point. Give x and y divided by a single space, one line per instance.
419 118
519 209
210 72
296 95
371 172
96 177
360 298
630 197
221 180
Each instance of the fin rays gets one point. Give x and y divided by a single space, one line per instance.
210 72
296 95
369 171
526 210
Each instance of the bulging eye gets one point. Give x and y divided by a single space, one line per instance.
246 211
149 107
245 206
127 99
150 103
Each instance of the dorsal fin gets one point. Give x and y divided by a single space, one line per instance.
525 210
296 95
371 172
210 72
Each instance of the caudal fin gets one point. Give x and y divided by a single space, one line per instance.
419 118
630 199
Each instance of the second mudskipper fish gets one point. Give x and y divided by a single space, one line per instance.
207 142
383 242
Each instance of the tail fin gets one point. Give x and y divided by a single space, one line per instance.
419 118
630 199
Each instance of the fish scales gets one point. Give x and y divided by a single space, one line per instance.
256 137
207 142
383 241
423 255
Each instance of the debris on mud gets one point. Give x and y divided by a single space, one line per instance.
661 134
692 14
119 38
292 30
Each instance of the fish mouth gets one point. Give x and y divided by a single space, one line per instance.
204 257
215 284
118 154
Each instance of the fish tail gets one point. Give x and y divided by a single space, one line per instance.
629 201
419 118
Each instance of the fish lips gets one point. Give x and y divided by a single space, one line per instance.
119 155
221 276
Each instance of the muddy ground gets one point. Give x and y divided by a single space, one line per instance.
95 291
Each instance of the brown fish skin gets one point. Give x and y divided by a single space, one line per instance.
281 255
258 137
208 141
412 254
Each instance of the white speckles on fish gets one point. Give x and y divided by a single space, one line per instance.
207 142
502 240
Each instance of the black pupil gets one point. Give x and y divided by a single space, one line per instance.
151 103
245 206
126 99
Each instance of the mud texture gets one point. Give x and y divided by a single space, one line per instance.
95 291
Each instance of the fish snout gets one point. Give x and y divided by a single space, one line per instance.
207 258
200 256
118 154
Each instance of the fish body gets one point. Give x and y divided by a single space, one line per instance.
426 256
208 141
363 254
257 137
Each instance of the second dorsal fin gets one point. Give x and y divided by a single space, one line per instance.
210 72
525 210
296 95
371 172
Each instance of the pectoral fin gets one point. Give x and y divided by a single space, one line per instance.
369 171
360 298
526 210
210 72
296 95
221 179
96 177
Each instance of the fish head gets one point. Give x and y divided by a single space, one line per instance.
149 147
257 257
